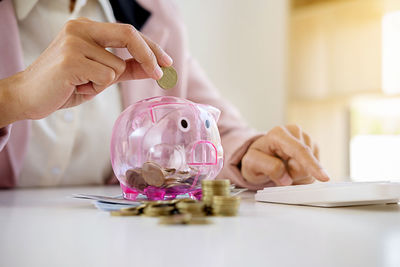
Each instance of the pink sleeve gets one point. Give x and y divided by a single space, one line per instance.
235 134
4 136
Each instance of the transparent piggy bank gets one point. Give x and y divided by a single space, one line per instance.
164 146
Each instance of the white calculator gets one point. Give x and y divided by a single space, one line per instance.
332 194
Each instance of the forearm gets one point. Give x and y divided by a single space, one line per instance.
11 109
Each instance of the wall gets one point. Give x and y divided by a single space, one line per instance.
242 46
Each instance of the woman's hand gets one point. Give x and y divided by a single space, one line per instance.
285 155
76 66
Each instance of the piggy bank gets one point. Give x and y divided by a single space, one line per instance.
164 146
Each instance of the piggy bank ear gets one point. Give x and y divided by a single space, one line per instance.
212 110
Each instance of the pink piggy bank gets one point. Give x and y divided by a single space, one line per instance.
164 146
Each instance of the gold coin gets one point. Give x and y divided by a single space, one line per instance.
169 78
152 174
176 219
219 182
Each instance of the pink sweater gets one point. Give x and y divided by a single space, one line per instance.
165 27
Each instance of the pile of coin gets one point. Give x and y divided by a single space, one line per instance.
211 188
225 205
195 208
152 174
216 201
158 210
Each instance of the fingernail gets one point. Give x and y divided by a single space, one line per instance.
286 180
158 73
167 59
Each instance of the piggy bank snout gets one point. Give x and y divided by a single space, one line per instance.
203 152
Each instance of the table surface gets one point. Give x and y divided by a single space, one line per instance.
46 227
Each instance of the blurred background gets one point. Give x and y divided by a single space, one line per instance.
330 66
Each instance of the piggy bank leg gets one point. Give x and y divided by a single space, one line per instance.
154 193
129 193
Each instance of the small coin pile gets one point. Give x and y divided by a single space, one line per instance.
211 188
225 205
152 174
169 78
216 200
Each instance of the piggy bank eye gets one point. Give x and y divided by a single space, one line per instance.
184 125
207 123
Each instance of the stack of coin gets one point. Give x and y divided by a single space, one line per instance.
225 205
131 211
157 210
193 207
176 219
211 188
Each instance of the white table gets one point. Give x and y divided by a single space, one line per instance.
45 227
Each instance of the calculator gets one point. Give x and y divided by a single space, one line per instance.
332 194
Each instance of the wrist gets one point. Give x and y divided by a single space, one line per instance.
11 109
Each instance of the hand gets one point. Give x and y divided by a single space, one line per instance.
285 155
76 66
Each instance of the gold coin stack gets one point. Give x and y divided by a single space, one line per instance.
216 200
225 205
158 210
131 211
194 208
211 188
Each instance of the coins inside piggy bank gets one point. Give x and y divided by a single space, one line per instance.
169 78
153 174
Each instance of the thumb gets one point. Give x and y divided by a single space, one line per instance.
133 71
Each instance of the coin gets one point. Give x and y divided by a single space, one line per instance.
134 179
131 211
158 210
169 78
211 188
225 205
195 208
176 219
152 174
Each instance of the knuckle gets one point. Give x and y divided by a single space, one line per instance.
276 132
246 160
129 30
120 68
276 166
294 129
156 47
71 26
149 58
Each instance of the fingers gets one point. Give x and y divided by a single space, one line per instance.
163 58
91 74
258 168
301 153
133 71
298 174
124 35
303 137
279 141
101 55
